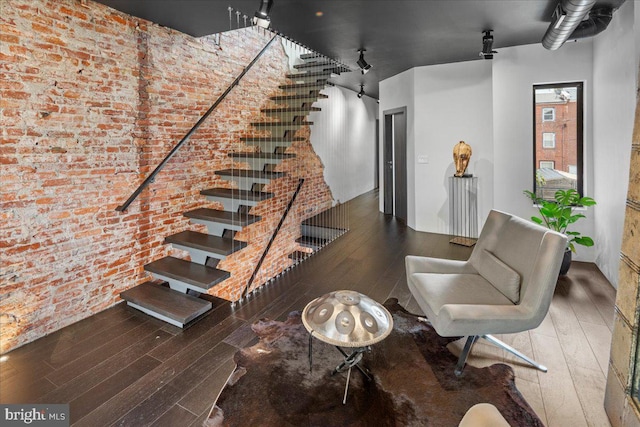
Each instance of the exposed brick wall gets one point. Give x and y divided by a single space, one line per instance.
91 101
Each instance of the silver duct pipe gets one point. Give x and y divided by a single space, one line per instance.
568 16
598 21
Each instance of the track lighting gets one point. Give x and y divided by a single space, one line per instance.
487 45
261 17
364 67
361 93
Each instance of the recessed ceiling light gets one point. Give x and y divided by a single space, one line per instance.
319 13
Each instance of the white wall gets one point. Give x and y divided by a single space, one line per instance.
515 71
344 137
442 97
614 96
445 104
452 103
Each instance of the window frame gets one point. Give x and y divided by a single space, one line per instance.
553 146
553 113
553 164
580 141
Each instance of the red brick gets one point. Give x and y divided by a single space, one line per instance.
93 137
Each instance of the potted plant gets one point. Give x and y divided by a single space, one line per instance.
559 215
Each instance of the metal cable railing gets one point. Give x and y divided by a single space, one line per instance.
247 288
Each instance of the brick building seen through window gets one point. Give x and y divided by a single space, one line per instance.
558 135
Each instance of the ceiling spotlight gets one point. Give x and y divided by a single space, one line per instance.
487 45
364 67
261 17
361 93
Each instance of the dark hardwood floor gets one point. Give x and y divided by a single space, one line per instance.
122 367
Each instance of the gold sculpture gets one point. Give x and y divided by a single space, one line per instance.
461 155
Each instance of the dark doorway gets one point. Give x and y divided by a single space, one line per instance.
376 181
395 163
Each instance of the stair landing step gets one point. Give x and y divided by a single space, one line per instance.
164 303
222 217
233 193
198 276
206 242
312 242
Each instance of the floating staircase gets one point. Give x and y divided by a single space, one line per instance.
176 299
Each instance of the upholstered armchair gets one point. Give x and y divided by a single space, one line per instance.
504 287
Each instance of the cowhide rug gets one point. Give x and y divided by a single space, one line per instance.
413 382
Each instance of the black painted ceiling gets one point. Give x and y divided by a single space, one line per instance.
398 34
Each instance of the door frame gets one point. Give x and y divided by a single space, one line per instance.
396 157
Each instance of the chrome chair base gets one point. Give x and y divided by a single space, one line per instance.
471 340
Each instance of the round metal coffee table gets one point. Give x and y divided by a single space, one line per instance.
347 319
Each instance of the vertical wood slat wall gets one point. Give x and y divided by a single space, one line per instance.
621 406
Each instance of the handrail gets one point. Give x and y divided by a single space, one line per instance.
273 237
173 151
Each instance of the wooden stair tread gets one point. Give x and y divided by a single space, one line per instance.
280 124
175 305
222 217
275 139
321 74
234 193
206 242
271 126
200 276
260 155
250 173
328 65
306 56
294 110
310 86
294 97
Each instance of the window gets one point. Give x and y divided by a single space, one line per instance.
547 164
558 138
548 140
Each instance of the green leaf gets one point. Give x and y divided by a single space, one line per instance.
584 241
575 217
587 201
536 220
567 197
